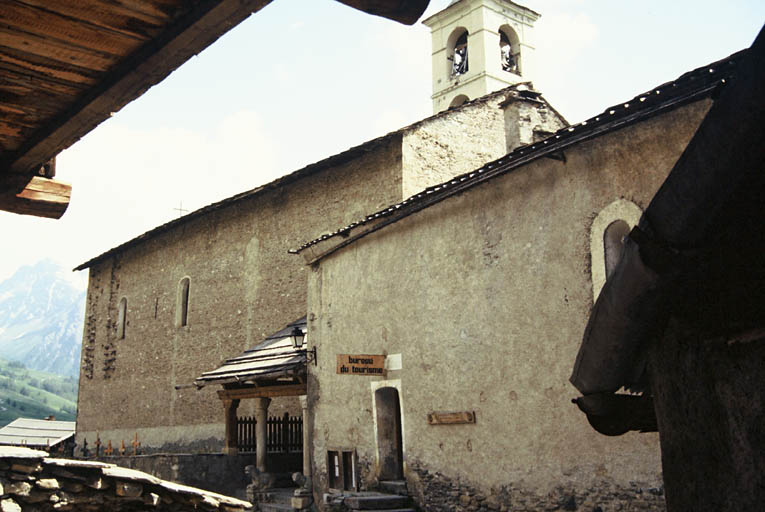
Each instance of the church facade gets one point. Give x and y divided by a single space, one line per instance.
178 300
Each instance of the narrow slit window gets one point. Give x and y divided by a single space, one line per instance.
182 315
121 318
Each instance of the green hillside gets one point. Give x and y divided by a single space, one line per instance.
34 394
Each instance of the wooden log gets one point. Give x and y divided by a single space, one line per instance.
41 197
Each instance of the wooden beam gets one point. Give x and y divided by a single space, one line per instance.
262 392
403 11
131 77
41 197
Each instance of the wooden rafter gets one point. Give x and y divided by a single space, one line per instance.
262 392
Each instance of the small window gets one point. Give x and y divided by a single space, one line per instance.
613 243
607 233
121 318
182 308
341 466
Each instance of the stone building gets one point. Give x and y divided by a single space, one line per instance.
445 325
177 301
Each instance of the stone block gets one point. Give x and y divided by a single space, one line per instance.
26 468
128 489
74 487
48 483
35 496
97 483
300 501
18 488
8 505
152 499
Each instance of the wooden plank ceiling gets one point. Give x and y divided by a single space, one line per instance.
67 65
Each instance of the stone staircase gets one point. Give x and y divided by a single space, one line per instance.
395 498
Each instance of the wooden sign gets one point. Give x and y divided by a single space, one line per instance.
451 418
352 364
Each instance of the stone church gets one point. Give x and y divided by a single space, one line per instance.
446 276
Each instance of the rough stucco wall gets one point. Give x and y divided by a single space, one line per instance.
529 121
243 286
453 144
486 296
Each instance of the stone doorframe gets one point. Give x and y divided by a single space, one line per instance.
375 386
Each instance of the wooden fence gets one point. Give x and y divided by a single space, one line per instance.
285 434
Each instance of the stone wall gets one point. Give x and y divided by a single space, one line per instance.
243 286
435 492
243 283
30 481
219 473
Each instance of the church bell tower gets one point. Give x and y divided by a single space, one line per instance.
479 46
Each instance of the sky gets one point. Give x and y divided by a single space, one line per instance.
302 80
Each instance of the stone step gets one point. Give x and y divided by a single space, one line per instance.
394 487
391 510
277 496
275 507
380 502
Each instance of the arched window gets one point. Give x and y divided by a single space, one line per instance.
121 318
458 52
509 50
607 233
182 307
613 243
458 100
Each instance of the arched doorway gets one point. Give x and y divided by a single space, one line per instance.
389 445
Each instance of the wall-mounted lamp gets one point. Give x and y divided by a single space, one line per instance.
297 336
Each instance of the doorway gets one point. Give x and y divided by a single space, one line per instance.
390 453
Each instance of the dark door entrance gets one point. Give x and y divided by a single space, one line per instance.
390 451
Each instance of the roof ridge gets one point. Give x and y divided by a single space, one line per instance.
651 102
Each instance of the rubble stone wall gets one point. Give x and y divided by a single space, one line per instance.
435 492
32 482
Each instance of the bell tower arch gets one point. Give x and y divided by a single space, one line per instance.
479 46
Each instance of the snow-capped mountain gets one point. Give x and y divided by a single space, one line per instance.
42 307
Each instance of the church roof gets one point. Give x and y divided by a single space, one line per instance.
689 87
332 161
32 432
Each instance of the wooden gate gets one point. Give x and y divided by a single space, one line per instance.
285 434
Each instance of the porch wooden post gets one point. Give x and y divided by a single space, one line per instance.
307 448
230 446
261 434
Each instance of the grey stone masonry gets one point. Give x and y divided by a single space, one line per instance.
30 481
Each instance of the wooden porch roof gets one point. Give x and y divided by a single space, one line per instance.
67 65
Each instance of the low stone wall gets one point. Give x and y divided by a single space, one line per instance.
30 481
436 493
214 472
